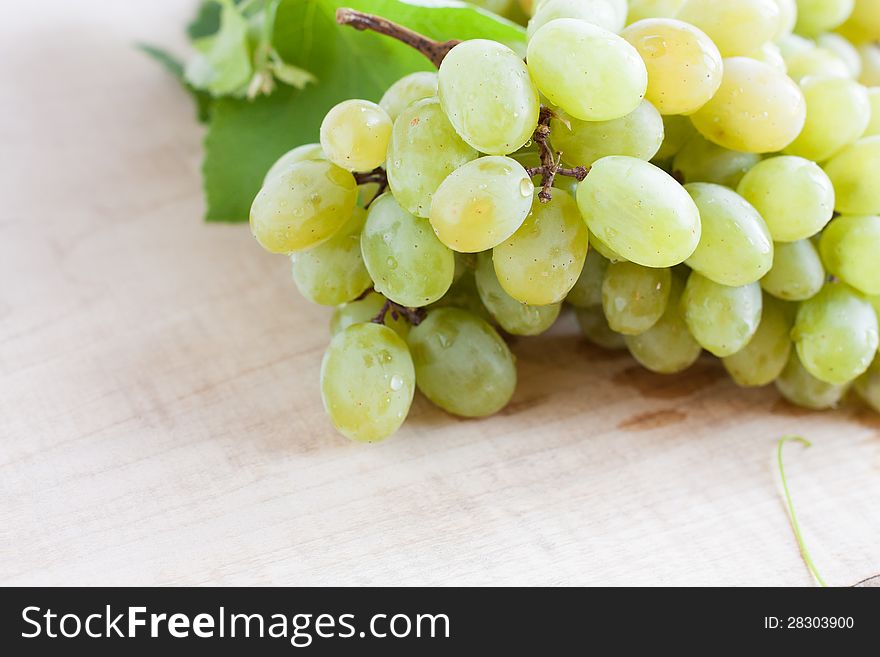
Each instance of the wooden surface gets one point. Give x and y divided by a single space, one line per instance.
160 420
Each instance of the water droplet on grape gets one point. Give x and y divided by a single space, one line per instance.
396 382
526 187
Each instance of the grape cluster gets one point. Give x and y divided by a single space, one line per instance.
687 175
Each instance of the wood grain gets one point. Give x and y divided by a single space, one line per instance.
160 421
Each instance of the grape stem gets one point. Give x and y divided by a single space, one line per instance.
551 163
414 316
433 50
377 176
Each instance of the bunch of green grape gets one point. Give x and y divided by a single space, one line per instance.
686 176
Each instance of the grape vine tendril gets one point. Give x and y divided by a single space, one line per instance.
805 554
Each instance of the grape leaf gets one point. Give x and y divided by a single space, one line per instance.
224 66
206 22
246 137
175 67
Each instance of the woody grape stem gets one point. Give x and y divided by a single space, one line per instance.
433 50
414 316
551 163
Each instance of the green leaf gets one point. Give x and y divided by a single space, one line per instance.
175 67
290 74
206 21
223 65
165 58
245 138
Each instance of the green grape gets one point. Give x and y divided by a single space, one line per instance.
638 134
367 382
364 310
589 72
836 334
464 295
840 102
298 154
598 12
792 194
762 360
797 273
787 18
758 109
771 55
641 9
424 149
846 51
408 263
366 193
499 7
875 301
462 364
541 261
639 211
793 44
684 65
481 204
800 387
870 56
333 272
702 161
722 319
737 28
667 347
634 297
604 250
677 131
587 290
874 125
863 23
408 90
735 248
868 385
816 62
594 327
355 135
486 92
817 16
517 14
622 8
856 189
512 315
302 207
850 248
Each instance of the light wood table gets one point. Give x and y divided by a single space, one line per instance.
160 419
